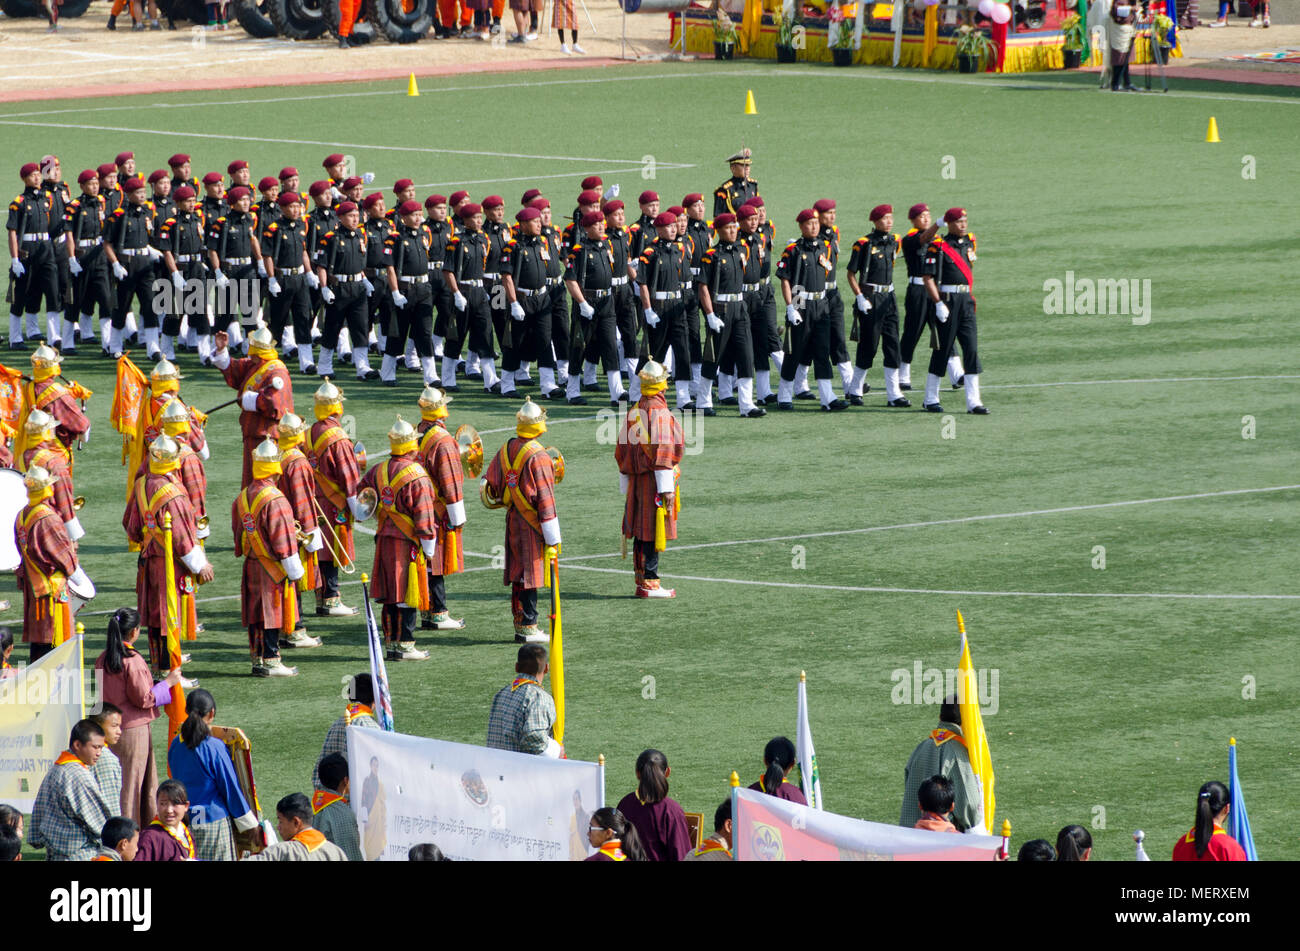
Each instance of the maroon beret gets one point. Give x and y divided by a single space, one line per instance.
470 209
133 183
335 159
692 198
916 209
540 202
591 181
611 206
677 210
212 178
755 202
157 175
371 200
590 218
108 168
183 192
726 218
805 215
402 183
747 211
530 195
494 201
589 197
177 160
880 211
527 214
433 200
123 157
89 175
952 214
664 219
267 183
824 204
346 206
289 198
288 172
647 197
458 197
318 188
235 166
408 206
243 191
28 169
352 182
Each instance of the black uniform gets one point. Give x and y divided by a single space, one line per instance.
182 235
130 231
555 264
830 238
872 265
466 255
60 197
805 265
381 302
732 194
320 221
230 237
498 236
526 259
84 220
960 326
592 264
625 310
760 303
30 218
285 242
659 271
723 272
449 323
163 208
697 238
342 253
917 312
407 254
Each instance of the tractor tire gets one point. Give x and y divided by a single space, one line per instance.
14 9
399 26
297 19
254 18
363 31
192 10
72 9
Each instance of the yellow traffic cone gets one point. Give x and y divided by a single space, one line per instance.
750 108
1212 133
411 88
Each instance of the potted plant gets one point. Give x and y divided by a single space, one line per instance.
724 36
973 48
785 27
840 36
1072 29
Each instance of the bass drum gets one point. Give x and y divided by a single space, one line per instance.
13 498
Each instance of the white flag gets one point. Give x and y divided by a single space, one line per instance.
378 671
809 777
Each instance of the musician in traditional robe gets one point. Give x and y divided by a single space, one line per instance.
46 392
338 476
298 484
440 456
164 386
522 476
650 447
45 450
49 561
265 390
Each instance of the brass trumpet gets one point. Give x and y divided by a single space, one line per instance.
337 550
301 533
487 497
557 461
78 502
471 449
367 502
202 522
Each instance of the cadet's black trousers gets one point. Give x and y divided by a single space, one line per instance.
531 337
415 320
478 317
916 315
626 317
597 338
691 302
40 281
92 287
350 309
559 329
839 342
671 334
732 347
878 325
291 306
812 343
959 328
137 286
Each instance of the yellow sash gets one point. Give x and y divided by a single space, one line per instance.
322 442
451 551
153 528
511 468
255 380
248 513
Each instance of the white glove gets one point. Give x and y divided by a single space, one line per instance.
611 192
79 576
316 542
586 310
551 531
277 383
651 318
553 749
202 533
715 323
74 266
864 305
623 480
119 272
353 506
292 566
368 177
312 280
459 300
792 315
178 279
273 286
17 267
517 310
370 288
249 401
154 254
327 295
456 513
261 268
941 311
399 299
428 545
222 280
194 560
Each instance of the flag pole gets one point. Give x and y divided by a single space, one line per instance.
176 706
557 645
378 671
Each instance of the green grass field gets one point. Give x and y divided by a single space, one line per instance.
1118 688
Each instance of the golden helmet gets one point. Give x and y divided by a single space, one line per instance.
46 356
433 398
402 434
38 477
174 412
261 337
327 393
164 449
291 424
267 451
653 372
39 421
165 370
530 414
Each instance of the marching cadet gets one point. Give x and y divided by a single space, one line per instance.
45 450
298 484
163 206
721 295
268 206
285 255
555 262
403 191
378 228
696 234
760 304
739 188
45 392
155 497
642 231
53 185
949 283
522 478
240 174
691 315
127 243
338 476
805 265
183 173
235 253
450 325
341 268
354 189
322 218
588 200
406 263
125 165
440 453
182 240
648 453
830 235
262 521
524 264
659 278
214 203
915 301
48 563
33 263
335 166
265 390
404 539
498 236
467 254
84 234
590 276
871 278
108 187
161 197
625 313
290 180
592 183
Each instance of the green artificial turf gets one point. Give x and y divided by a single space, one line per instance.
1111 710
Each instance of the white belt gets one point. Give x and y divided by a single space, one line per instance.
617 281
882 288
187 258
695 272
132 252
954 288
752 288
471 283
289 271
667 295
492 275
816 295
916 280
687 285
595 295
530 291
831 286
349 278
239 260
416 279
728 298
89 242
435 265
37 236
553 281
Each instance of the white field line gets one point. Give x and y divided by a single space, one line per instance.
1167 379
671 166
993 594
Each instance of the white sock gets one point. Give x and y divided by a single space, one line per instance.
932 388
325 365
633 381
87 324
905 375
546 379
150 335
412 359
726 385
168 347
696 383
704 393
374 337
429 368
191 336
236 334
589 373
777 357
449 372
105 330
745 394
15 328
472 362
361 360
561 368
507 380
388 368
68 333
573 388
489 367
973 390
131 326
614 380
826 391
115 342
683 392
955 372
53 324
33 325
801 379
892 392
763 381
437 346
855 385
204 345
785 391
846 374
344 341
668 362
305 357
621 355
287 340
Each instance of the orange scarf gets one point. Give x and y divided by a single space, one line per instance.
67 756
941 736
355 710
310 838
712 845
612 849
183 837
322 798
520 681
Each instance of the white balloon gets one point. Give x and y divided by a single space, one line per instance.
985 7
1001 13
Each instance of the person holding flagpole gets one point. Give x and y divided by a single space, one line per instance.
1208 841
778 760
943 753
360 713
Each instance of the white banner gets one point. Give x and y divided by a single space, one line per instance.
474 803
768 829
39 705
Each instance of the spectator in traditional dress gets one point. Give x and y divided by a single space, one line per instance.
1073 844
329 805
563 18
299 842
167 838
659 821
119 841
935 800
717 847
614 838
108 768
69 813
360 712
778 760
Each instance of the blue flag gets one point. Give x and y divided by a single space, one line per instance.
1238 821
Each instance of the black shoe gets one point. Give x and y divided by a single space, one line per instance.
834 406
412 369
960 383
755 413
855 400
476 375
555 394
810 395
866 388
577 401
932 408
309 370
785 406
343 43
730 401
770 399
979 411
624 397
372 374
686 407
901 401
112 23
67 351
171 24
614 404
494 389
905 386
709 411
451 389
388 383
23 346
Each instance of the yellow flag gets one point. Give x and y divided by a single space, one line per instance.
972 727
552 558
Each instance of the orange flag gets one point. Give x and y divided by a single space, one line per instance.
128 400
